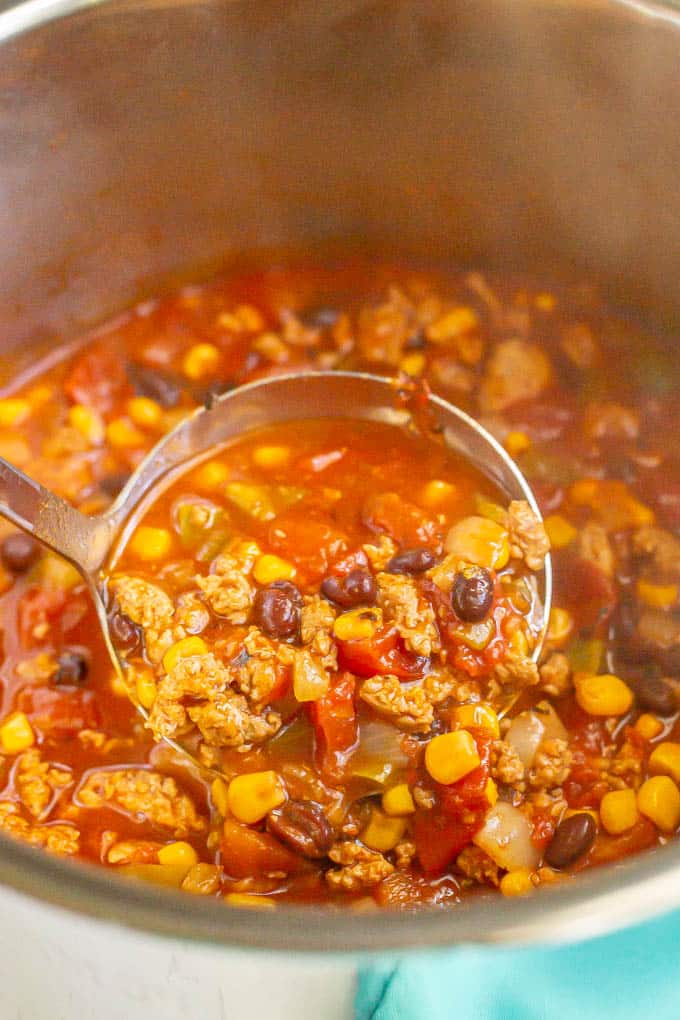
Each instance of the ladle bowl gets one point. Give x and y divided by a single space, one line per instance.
90 542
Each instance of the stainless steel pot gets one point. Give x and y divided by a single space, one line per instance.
144 139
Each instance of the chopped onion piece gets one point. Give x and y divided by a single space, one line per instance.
506 838
379 754
529 728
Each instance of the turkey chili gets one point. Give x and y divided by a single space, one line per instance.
338 617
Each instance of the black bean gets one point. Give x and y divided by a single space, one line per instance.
472 594
276 609
303 826
126 635
573 838
319 317
112 484
412 561
358 588
19 552
155 384
655 694
72 669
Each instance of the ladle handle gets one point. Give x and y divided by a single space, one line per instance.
83 540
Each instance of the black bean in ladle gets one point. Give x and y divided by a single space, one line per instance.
276 609
472 594
358 588
412 561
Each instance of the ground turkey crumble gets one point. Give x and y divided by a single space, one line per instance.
360 867
223 716
227 589
57 837
144 795
411 615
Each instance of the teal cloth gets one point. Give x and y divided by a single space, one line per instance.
631 974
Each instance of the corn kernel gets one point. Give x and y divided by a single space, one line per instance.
178 855
145 412
13 411
202 879
437 492
545 302
665 760
560 531
211 476
560 626
517 442
58 574
517 883
603 695
254 795
659 800
357 624
618 811
218 792
413 364
452 324
271 457
15 449
658 596
88 423
236 899
383 832
40 395
118 686
145 687
16 733
398 801
491 792
269 568
123 435
584 491
648 726
182 650
200 361
451 756
478 716
150 544
481 541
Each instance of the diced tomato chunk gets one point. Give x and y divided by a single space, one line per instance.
44 612
586 591
405 522
248 853
64 711
312 544
382 654
439 838
98 379
335 726
37 608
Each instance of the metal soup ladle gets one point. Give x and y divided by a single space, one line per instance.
89 542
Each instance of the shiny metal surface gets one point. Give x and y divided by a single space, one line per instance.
88 542
142 139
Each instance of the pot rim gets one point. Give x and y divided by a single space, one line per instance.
601 900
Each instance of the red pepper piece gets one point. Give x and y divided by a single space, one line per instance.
380 655
335 726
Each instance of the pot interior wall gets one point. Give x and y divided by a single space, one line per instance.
151 136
